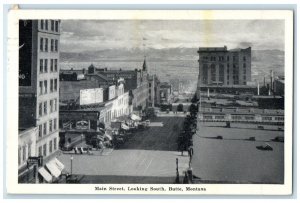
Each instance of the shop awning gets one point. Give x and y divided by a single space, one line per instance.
135 117
59 165
53 169
45 174
124 126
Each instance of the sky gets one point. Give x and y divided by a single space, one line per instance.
90 35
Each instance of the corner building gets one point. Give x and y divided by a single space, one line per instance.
39 82
219 66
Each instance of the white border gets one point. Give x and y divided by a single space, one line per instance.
12 96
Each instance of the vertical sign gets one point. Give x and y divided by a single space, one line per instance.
25 52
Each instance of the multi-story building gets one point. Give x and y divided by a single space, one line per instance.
219 66
135 82
39 82
165 93
154 91
26 149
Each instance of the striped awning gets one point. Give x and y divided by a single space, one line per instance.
47 176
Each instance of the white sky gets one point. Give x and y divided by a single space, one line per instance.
89 35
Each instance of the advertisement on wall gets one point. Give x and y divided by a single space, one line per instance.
25 52
91 96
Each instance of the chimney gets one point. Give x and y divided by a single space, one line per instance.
271 78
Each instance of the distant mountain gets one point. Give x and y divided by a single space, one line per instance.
262 60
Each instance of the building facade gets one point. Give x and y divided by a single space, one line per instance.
165 92
39 82
219 66
135 82
154 91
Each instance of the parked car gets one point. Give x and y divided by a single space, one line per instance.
265 147
278 139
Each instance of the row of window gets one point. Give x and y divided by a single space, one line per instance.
43 131
237 117
44 44
43 86
52 148
43 107
23 153
44 25
44 65
222 58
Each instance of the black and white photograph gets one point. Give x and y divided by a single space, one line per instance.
154 105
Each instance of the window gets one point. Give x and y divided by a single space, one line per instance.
52 45
51 65
55 84
51 85
24 153
42 24
228 58
40 109
51 106
19 155
45 129
45 150
41 65
29 150
56 45
56 26
46 24
45 107
41 44
40 151
267 118
54 143
244 65
46 44
55 124
40 130
244 58
46 66
45 86
55 65
52 25
50 126
55 104
41 87
50 147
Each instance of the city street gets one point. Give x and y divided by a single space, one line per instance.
149 156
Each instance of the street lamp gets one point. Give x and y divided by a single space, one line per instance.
71 164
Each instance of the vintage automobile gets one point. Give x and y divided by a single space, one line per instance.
265 147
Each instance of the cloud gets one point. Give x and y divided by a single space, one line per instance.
80 35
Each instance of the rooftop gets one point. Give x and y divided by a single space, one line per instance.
236 159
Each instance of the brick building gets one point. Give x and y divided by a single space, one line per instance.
219 66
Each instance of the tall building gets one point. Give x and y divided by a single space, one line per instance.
154 91
219 66
39 82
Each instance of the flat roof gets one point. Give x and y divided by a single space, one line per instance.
235 159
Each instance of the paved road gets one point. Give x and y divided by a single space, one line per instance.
149 156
